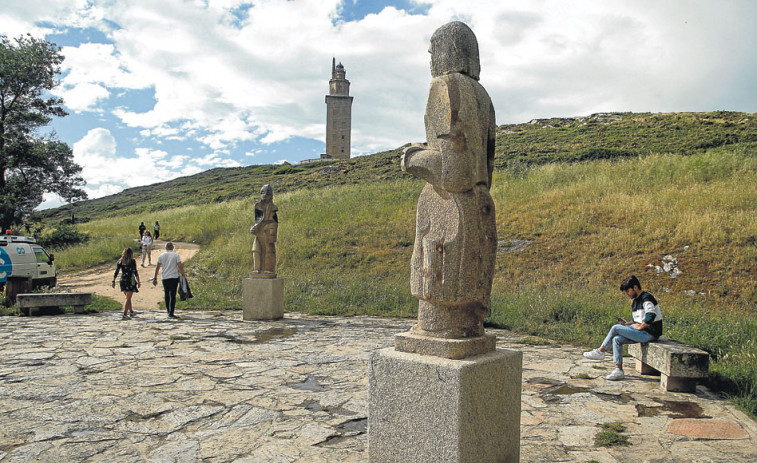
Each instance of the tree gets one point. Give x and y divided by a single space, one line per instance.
31 164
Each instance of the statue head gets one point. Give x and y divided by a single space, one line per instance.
454 48
266 192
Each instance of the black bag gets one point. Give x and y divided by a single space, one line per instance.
184 291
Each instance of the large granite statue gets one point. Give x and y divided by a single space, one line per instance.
265 230
455 242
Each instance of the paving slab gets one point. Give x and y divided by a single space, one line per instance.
210 387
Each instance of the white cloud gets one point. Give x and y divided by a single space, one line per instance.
83 97
107 172
223 81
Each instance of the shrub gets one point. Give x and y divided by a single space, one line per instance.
62 237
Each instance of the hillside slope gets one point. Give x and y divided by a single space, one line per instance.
541 141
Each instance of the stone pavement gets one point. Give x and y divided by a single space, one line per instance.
212 388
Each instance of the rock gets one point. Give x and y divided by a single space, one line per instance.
707 429
512 245
330 170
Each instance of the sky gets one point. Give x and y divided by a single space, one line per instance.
157 90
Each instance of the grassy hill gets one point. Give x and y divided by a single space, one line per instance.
673 206
541 141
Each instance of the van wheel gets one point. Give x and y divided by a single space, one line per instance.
50 283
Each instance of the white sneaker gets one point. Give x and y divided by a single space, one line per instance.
615 375
594 354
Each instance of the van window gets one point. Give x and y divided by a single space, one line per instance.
41 255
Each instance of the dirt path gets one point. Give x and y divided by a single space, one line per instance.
98 280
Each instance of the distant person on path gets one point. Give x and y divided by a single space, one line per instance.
142 229
156 230
172 267
645 327
146 248
129 282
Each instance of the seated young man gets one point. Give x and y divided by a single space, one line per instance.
645 327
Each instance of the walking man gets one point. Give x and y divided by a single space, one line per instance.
171 266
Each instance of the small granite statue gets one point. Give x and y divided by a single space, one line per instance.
455 242
265 230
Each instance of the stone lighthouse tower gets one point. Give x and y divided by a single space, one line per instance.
338 114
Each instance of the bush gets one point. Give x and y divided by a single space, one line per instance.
62 237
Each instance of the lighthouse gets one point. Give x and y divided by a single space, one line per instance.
338 114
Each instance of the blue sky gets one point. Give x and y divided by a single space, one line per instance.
162 89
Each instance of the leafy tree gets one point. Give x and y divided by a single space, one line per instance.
31 164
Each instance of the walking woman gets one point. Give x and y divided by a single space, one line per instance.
129 281
146 248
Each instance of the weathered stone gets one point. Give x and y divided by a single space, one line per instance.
679 365
262 298
442 347
456 239
265 230
33 302
425 408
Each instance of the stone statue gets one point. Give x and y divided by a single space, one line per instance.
455 242
265 230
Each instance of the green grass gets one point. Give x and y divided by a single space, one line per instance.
611 436
620 135
103 304
614 426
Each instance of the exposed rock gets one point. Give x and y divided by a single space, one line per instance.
330 170
512 245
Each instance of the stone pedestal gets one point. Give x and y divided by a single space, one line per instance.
262 298
432 409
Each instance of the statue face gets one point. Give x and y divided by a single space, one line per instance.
266 193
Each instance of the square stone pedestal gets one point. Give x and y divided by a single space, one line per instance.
432 409
262 298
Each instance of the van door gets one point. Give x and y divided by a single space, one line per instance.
24 262
45 267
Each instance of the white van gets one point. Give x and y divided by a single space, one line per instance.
21 256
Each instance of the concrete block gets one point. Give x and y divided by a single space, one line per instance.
262 298
433 409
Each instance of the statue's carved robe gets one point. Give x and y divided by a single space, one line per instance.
264 246
455 244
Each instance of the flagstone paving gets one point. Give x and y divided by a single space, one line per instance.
209 387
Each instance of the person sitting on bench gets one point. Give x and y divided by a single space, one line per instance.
645 327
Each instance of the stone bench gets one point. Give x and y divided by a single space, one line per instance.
29 303
679 366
